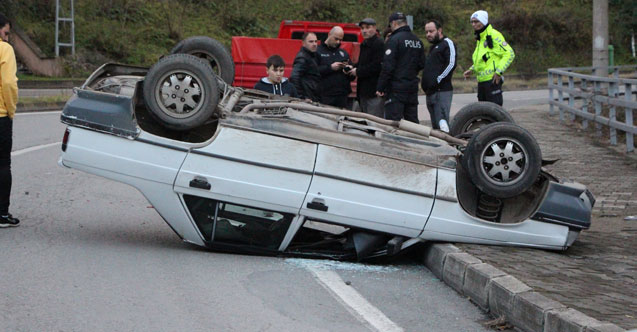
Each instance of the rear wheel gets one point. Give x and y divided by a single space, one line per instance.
211 51
474 116
503 160
181 91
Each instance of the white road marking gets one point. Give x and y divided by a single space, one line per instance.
353 300
38 113
33 148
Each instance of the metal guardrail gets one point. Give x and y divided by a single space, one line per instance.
595 95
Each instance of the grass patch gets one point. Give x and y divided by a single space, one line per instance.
43 100
26 77
543 33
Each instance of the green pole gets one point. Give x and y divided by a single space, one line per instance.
611 55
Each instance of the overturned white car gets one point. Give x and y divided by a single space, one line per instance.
239 170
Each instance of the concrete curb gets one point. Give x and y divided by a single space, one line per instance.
502 295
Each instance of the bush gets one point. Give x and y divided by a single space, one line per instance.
239 24
325 10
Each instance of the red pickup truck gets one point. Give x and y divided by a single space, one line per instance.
250 54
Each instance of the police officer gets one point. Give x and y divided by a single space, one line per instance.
491 58
398 81
335 68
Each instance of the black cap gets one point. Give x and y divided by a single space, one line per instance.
397 16
368 21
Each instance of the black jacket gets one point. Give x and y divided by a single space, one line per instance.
305 75
369 65
439 67
285 88
333 82
404 58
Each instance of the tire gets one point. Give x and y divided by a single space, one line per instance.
474 116
181 91
503 159
212 51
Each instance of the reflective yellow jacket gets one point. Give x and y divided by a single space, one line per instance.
8 81
486 60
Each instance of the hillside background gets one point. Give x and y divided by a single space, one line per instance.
543 33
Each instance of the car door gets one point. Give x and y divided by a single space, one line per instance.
246 175
371 192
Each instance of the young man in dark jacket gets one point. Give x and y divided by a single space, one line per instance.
368 69
436 77
305 73
398 81
275 83
335 70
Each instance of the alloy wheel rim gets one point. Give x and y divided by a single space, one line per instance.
504 161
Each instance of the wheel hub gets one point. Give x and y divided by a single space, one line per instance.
180 94
504 161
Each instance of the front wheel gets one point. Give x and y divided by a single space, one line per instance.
503 160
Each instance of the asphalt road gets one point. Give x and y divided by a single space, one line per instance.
92 255
512 100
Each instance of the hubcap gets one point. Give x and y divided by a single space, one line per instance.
180 94
504 161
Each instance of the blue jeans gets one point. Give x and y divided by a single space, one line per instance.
439 106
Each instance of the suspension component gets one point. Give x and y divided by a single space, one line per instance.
489 208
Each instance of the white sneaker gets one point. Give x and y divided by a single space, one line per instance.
444 126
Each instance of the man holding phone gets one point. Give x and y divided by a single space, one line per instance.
335 69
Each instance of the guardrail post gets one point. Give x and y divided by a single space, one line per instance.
628 94
583 87
597 94
551 107
598 106
612 113
571 97
560 96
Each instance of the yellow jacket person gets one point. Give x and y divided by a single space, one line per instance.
8 100
8 80
491 58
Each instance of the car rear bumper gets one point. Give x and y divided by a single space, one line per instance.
567 204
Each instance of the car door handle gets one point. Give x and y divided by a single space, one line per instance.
200 183
317 206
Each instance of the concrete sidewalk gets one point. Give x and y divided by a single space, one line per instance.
596 277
